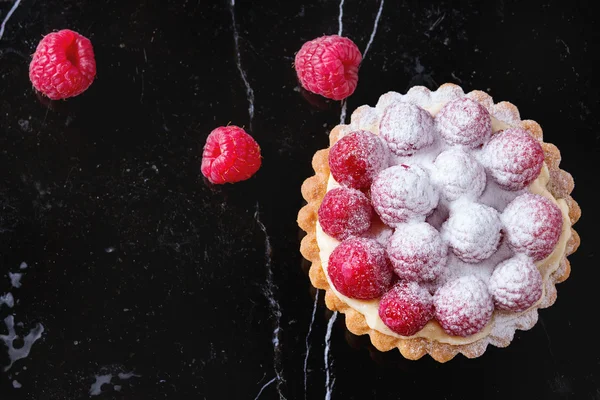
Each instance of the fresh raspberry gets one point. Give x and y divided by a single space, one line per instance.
345 212
533 225
514 158
329 66
464 122
458 174
355 159
406 128
358 268
406 308
473 231
516 284
463 306
63 65
417 252
402 193
230 155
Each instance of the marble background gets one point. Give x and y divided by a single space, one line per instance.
125 275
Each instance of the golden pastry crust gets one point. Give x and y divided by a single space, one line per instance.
314 188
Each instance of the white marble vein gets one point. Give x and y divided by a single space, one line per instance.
238 61
15 354
375 25
269 291
343 112
341 14
8 15
264 387
312 321
328 382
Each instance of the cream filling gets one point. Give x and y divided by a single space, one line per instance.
432 330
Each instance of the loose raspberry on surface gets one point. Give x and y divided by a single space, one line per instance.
533 225
473 231
63 65
402 193
230 155
359 268
456 174
464 122
345 212
516 284
406 308
417 252
355 159
513 158
406 128
328 66
463 306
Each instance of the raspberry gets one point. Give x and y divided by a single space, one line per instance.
464 122
355 159
473 231
406 128
417 252
345 212
329 66
533 225
457 174
401 193
230 155
463 306
514 158
63 65
406 308
516 284
358 268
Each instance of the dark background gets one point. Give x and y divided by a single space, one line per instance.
183 300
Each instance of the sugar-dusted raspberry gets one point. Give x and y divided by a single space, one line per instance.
406 128
328 66
345 212
359 268
516 284
533 225
463 306
464 122
230 155
457 174
473 231
513 158
417 252
355 159
406 308
402 193
63 65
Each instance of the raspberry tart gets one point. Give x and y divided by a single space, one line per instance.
438 222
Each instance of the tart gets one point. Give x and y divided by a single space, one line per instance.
438 222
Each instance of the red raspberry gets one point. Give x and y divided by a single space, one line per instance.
514 158
406 128
533 225
345 212
463 306
329 66
358 268
401 193
417 252
63 65
464 122
473 231
230 155
516 284
355 159
457 174
406 308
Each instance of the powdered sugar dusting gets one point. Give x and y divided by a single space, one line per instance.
345 212
464 122
406 128
457 174
406 308
516 284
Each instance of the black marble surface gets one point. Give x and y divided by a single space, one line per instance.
137 266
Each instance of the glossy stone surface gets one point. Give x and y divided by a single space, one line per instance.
137 266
